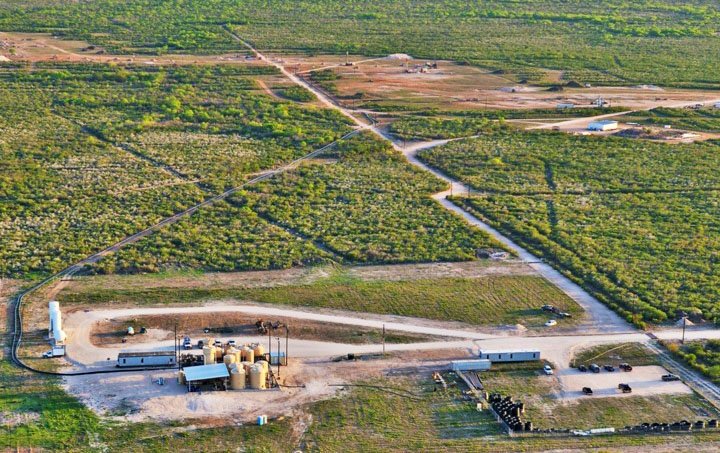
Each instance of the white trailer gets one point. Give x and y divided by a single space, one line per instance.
470 365
56 351
510 355
148 359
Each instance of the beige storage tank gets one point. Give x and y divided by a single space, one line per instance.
258 350
265 365
235 366
181 378
246 366
219 353
237 379
228 359
244 352
209 355
250 356
257 377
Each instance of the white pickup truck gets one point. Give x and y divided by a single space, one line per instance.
55 352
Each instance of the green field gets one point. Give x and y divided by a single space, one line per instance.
488 300
93 153
633 353
632 221
659 41
703 120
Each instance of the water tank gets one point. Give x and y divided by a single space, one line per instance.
209 354
228 359
219 352
237 379
246 366
250 355
238 355
258 350
181 378
265 365
55 331
257 377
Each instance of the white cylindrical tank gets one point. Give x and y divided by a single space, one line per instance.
264 364
237 379
258 350
228 359
55 331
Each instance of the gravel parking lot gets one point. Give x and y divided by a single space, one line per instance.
644 381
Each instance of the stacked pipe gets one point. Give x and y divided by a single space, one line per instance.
510 412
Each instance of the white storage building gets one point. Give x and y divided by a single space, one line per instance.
149 359
517 355
470 365
603 125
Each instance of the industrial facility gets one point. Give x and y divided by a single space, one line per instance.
55 332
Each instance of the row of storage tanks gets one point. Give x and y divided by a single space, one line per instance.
241 363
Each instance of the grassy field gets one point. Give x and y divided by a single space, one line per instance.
703 120
633 353
486 300
631 221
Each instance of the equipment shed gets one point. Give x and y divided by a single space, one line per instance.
215 375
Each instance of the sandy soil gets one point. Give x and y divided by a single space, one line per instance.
644 381
43 47
136 396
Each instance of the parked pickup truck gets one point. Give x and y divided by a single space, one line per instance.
187 343
54 352
670 377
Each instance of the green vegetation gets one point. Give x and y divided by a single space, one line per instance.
657 41
298 94
431 128
701 355
633 353
704 120
93 153
488 300
632 221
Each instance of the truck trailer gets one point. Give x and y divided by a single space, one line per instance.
510 355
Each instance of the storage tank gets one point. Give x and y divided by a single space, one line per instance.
265 365
257 377
209 354
249 355
237 379
219 352
258 350
228 359
246 366
238 355
55 331
181 378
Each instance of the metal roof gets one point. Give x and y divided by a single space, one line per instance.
203 372
146 354
508 351
603 122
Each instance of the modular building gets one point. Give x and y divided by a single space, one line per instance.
603 126
149 359
470 365
517 355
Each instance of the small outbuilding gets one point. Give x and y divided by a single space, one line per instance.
603 126
215 376
147 359
510 355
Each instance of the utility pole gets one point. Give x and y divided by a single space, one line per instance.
269 342
684 318
287 335
383 340
278 356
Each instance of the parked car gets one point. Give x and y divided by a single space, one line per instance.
582 368
200 344
547 370
587 391
218 343
594 368
609 367
670 377
550 323
625 388
625 367
187 343
547 307
231 343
